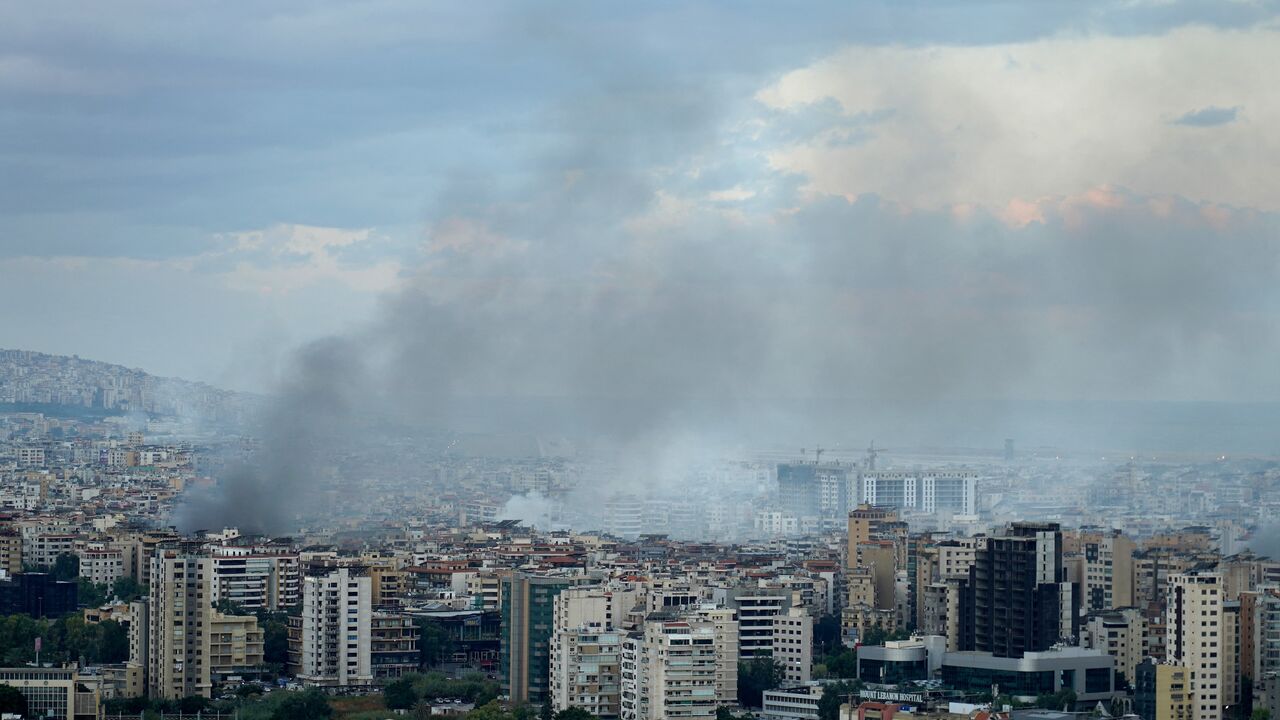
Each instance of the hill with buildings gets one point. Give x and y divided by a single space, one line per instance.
71 385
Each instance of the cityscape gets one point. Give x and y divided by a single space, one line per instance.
785 584
387 359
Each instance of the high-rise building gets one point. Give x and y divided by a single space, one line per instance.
37 595
1016 599
950 492
1101 563
1120 633
867 523
725 621
586 645
669 669
586 671
624 515
793 645
179 610
1162 692
815 490
263 577
10 551
1259 633
393 645
337 615
756 608
1196 639
528 618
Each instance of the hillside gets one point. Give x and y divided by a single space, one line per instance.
40 381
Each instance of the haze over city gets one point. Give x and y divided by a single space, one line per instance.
674 304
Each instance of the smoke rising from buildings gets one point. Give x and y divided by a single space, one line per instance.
608 296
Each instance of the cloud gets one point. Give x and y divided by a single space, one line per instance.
1042 118
1208 117
285 258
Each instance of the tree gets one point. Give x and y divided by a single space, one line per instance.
193 704
434 643
90 594
1056 701
114 644
275 637
229 607
843 664
574 713
878 636
833 696
489 711
306 705
66 567
126 589
12 700
399 694
1260 714
755 676
826 634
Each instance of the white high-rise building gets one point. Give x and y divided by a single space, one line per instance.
670 670
1197 640
586 671
793 645
948 492
586 647
256 578
337 612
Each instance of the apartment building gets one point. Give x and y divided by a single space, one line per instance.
178 620
336 618
1196 639
669 670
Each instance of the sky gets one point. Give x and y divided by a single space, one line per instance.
995 200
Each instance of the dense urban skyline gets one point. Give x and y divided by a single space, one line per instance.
393 360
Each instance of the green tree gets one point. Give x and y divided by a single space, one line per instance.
841 664
833 695
489 711
399 694
1056 701
126 589
12 700
90 594
1260 714
755 676
434 643
309 704
114 643
574 713
66 567
193 704
826 634
230 607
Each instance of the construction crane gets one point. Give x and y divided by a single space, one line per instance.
872 453
817 455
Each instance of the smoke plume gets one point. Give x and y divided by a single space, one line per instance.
606 295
